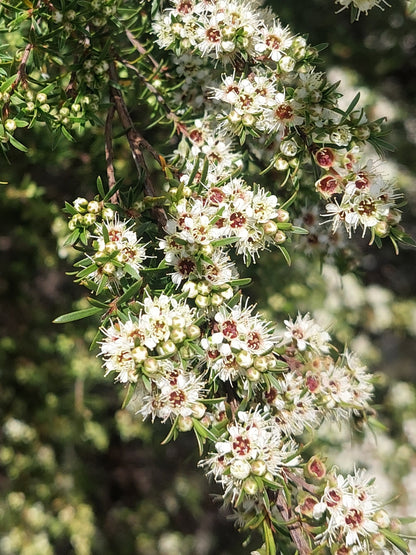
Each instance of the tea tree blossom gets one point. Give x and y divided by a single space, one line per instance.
258 142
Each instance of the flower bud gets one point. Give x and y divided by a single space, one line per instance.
204 288
202 301
270 227
108 269
186 352
378 541
280 237
10 125
258 468
362 132
150 366
166 348
216 299
281 164
41 98
191 289
207 249
198 410
80 204
88 219
381 518
253 375
248 120
193 331
177 335
227 293
107 214
234 117
240 469
111 247
283 216
381 229
139 353
185 423
93 207
178 322
261 363
250 486
287 64
289 148
244 359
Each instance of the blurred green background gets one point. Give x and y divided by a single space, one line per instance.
79 475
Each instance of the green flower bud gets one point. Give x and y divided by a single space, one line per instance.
177 335
80 204
108 269
193 331
216 299
250 486
93 207
202 301
139 353
150 366
10 125
191 289
88 219
258 468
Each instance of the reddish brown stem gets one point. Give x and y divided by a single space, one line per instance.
295 528
137 143
109 154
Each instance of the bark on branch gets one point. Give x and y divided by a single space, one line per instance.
137 142
295 528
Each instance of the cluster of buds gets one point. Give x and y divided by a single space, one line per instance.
85 213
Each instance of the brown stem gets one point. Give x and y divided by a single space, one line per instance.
109 154
141 49
181 127
295 528
137 143
21 72
20 77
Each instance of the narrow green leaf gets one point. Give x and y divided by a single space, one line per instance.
173 432
131 291
396 540
129 394
285 254
100 187
17 144
77 315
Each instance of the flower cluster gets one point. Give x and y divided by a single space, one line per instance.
176 330
273 96
353 519
161 328
250 455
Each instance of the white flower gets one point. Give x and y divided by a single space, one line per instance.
304 333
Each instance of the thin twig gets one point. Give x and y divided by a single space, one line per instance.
137 143
170 114
20 77
141 49
295 528
109 153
